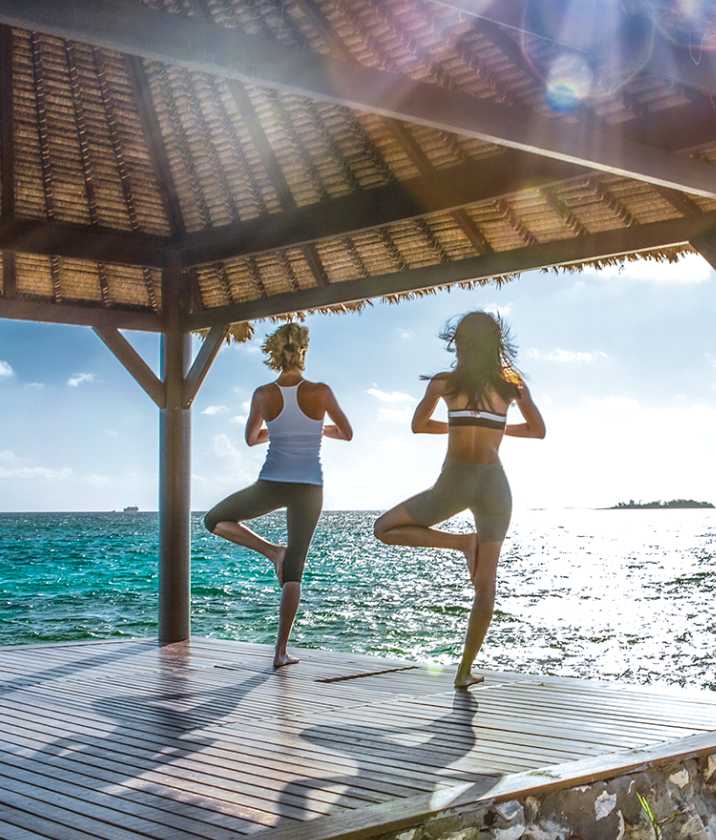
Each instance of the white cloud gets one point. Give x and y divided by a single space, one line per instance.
239 420
6 370
246 405
391 397
504 310
78 379
561 356
13 467
711 359
406 335
34 386
213 410
692 270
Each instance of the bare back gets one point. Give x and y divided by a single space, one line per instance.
473 444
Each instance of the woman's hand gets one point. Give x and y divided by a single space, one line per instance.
331 431
255 431
422 422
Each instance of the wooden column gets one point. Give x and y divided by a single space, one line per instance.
174 468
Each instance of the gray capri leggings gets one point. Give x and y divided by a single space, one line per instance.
303 503
481 487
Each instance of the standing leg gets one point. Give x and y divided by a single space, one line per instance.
481 613
224 521
302 513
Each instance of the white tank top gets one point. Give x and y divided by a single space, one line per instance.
294 453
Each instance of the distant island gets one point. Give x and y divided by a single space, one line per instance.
673 504
131 509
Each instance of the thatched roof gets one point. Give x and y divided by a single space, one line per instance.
260 192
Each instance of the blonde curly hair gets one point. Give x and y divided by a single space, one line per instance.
286 347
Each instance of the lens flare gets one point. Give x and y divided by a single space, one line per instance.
586 49
687 23
569 82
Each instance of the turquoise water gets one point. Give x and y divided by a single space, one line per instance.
596 593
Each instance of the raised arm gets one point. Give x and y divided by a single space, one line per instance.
534 426
255 431
422 423
341 428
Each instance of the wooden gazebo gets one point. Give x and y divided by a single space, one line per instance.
184 165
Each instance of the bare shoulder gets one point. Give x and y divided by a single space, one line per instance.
315 387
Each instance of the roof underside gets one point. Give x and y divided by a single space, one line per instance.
272 200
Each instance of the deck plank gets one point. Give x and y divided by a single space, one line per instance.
123 738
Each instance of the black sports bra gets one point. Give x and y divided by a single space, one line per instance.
480 417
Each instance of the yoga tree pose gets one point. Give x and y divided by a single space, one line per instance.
478 391
293 410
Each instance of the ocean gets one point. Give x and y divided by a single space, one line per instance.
594 593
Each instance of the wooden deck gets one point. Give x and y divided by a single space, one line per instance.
128 740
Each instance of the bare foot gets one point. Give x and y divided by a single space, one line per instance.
463 683
284 659
472 553
278 563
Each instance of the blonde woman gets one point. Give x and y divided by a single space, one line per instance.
293 410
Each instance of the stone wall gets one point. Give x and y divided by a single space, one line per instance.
671 802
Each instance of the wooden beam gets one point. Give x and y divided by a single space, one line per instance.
7 144
133 362
202 364
465 184
79 315
562 252
87 242
129 27
705 244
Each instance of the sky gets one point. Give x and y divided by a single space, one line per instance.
622 363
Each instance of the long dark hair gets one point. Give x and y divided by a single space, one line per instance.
485 358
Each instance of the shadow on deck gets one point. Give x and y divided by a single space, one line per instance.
125 739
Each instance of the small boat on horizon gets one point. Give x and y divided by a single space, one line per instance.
131 509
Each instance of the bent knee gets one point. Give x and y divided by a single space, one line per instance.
210 523
380 529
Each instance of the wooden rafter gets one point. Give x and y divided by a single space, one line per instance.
7 150
206 47
87 163
468 183
36 236
202 363
563 252
111 118
140 371
80 315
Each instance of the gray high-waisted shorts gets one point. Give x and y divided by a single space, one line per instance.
483 488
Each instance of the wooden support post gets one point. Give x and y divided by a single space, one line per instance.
7 141
174 468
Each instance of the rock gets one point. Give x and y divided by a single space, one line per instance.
604 804
693 829
513 832
680 778
510 811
